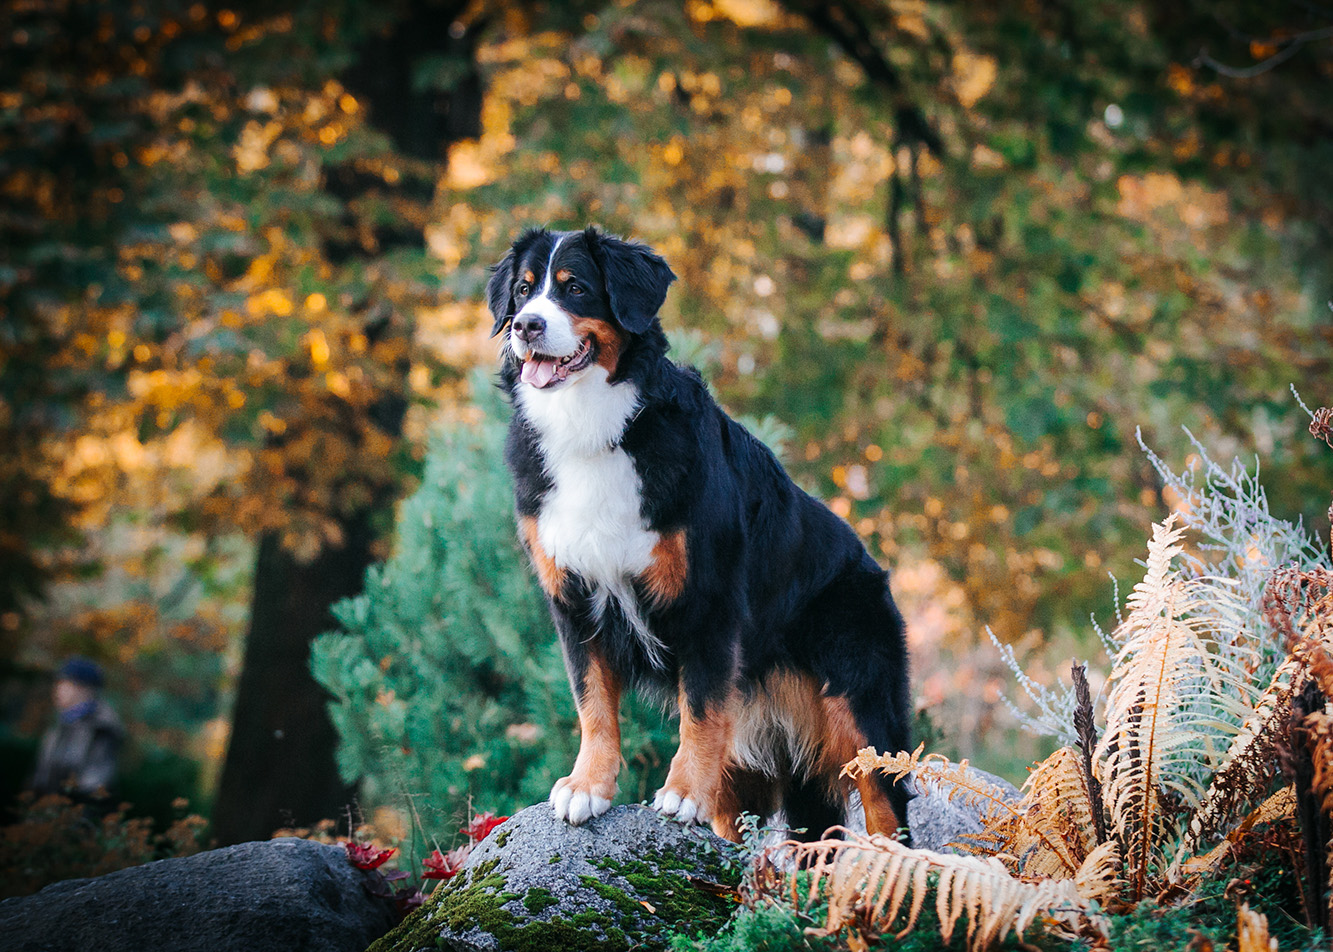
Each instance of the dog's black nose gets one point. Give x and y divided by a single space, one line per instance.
529 326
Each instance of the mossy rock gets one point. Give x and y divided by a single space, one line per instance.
625 880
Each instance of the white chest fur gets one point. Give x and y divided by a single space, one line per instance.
591 521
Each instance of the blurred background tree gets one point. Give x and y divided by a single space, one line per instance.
961 250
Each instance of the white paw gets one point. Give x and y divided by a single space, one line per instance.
576 806
669 803
666 802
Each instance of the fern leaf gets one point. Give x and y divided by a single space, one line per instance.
1098 879
1281 806
867 880
1008 827
1248 768
1055 807
1174 701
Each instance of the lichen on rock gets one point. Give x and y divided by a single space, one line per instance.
625 880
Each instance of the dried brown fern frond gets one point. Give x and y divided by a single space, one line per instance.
897 765
1171 698
1278 808
1052 831
1099 878
1249 767
1298 603
869 882
1305 599
1008 828
1319 726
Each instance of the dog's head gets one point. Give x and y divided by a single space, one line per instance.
573 300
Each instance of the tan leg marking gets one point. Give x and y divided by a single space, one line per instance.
590 787
694 783
742 790
665 577
842 739
549 575
610 340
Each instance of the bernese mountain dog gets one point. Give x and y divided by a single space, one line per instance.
679 558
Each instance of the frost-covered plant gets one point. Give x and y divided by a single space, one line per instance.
1237 545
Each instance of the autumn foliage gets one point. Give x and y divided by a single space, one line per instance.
961 251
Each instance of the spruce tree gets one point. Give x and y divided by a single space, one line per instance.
446 674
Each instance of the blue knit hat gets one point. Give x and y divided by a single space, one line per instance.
81 670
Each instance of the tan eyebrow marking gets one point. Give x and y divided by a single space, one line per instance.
564 274
529 277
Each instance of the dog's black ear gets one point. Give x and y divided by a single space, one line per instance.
500 288
636 279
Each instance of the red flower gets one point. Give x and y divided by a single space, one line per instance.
444 865
482 824
366 856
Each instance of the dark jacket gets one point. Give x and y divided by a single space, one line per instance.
79 753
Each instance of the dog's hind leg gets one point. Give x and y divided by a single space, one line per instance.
844 735
743 791
812 805
862 663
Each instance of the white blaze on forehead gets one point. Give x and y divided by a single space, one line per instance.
550 266
559 339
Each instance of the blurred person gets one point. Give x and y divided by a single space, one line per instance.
78 753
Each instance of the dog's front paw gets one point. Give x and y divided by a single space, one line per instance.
681 806
577 803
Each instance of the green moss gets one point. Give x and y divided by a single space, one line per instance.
674 898
538 899
622 900
477 900
647 898
554 859
502 837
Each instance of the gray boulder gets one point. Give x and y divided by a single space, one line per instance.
936 821
624 880
282 895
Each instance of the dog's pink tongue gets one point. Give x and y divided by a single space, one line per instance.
538 373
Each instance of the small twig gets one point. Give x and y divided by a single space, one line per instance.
1290 46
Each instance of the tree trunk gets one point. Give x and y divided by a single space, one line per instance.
280 769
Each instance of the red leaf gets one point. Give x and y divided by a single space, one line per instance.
408 899
444 865
482 824
366 856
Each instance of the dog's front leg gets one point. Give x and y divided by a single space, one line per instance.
590 787
693 789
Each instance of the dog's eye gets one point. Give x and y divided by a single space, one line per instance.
523 289
574 288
